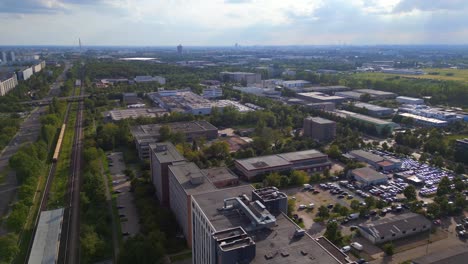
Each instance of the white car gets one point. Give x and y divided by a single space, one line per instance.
311 206
302 206
345 249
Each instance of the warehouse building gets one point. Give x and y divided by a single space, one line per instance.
330 90
395 227
320 129
327 106
379 124
374 110
352 95
309 160
45 248
147 78
316 97
133 113
409 100
295 85
241 77
425 121
130 98
367 176
377 95
235 225
376 161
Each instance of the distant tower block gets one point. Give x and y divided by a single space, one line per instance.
179 49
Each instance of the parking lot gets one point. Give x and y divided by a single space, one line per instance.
129 219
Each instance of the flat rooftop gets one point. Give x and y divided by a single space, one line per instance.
366 155
369 174
302 155
372 107
320 120
257 163
321 96
395 224
184 127
46 240
190 177
375 92
219 174
423 118
120 114
450 255
365 118
166 152
277 242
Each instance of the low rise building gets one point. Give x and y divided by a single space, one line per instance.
182 100
130 98
374 110
376 161
316 97
320 129
146 79
377 95
402 71
295 84
133 113
379 124
330 90
7 83
258 91
221 104
309 160
241 77
327 106
430 112
425 121
212 92
352 95
367 176
394 227
409 100
450 255
45 248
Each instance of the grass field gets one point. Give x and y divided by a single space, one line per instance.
436 74
449 138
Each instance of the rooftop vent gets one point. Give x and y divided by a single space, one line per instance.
304 253
284 253
299 233
259 164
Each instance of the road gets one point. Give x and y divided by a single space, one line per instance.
28 132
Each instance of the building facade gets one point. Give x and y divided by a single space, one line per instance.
320 129
241 77
7 84
25 74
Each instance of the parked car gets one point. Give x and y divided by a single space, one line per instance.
357 246
345 249
302 206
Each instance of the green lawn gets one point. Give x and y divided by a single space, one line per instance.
442 74
449 138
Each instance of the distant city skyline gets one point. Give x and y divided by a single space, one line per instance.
226 22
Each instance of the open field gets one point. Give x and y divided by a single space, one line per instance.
439 74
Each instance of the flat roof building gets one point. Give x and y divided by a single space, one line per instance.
120 114
310 160
376 161
374 110
247 77
7 83
294 84
130 98
46 243
394 227
368 176
316 97
25 73
425 121
320 129
450 255
330 90
350 95
379 124
147 78
327 106
221 177
377 95
409 100
235 226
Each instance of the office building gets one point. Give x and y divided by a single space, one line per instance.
162 155
182 101
309 160
147 79
7 83
37 67
379 124
241 77
25 73
367 176
258 91
212 92
12 56
295 84
394 227
351 95
235 225
4 57
148 134
327 106
221 177
409 100
179 49
45 248
316 97
319 128
374 110
377 95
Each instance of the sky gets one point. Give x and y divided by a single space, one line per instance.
225 22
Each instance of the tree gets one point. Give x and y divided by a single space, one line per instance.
355 204
164 133
8 248
433 210
389 249
370 201
272 179
334 151
460 168
323 212
385 146
333 233
298 177
444 186
459 184
410 193
365 97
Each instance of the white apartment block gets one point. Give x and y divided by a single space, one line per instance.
8 84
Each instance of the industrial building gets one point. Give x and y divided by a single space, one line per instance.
309 160
316 97
265 92
295 84
409 100
148 134
430 112
130 98
352 95
376 161
241 77
221 104
182 101
320 129
147 78
380 125
120 114
377 95
402 71
244 225
394 227
45 248
7 83
367 176
461 143
212 92
425 121
374 110
330 90
327 106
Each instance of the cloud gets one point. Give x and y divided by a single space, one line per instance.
42 6
237 1
430 5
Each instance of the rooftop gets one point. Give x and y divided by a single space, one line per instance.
274 244
366 155
423 118
152 130
320 120
45 245
190 177
120 114
219 174
166 152
450 255
365 118
369 174
321 96
372 107
302 155
395 224
296 82
375 92
257 163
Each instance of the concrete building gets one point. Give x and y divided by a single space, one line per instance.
425 121
402 71
133 113
367 176
394 227
148 134
179 49
162 155
25 73
221 104
185 180
377 95
320 129
316 97
231 226
182 101
409 100
374 110
7 83
350 95
295 84
462 144
147 79
4 57
45 248
376 161
431 112
130 98
330 90
380 125
309 160
37 67
265 92
241 77
221 177
212 92
327 106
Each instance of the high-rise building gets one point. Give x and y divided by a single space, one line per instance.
12 56
319 128
4 57
179 49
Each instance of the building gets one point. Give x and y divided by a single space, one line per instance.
394 227
37 67
330 90
4 57
374 110
462 144
296 84
7 83
182 101
258 91
431 112
367 176
179 49
241 77
309 160
316 97
402 71
120 114
352 95
379 124
148 134
221 177
221 104
210 83
130 98
212 92
162 155
235 225
147 78
450 255
12 56
45 248
409 100
327 106
425 121
25 73
185 180
319 128
376 161
377 95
